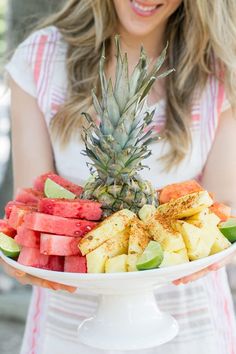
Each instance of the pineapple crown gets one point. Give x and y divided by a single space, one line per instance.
120 142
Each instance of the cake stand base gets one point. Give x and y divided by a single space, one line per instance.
129 321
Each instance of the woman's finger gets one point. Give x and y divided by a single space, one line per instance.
27 279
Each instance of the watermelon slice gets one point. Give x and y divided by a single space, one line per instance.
40 181
56 263
27 238
72 187
59 245
9 206
7 229
176 190
221 210
18 214
75 264
81 209
32 257
29 196
58 225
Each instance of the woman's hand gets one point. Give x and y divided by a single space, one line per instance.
25 279
205 271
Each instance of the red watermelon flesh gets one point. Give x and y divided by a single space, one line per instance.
7 229
56 263
81 209
32 257
9 206
75 264
58 225
72 187
29 196
18 214
27 238
40 181
59 245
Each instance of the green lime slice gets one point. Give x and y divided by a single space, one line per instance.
54 190
228 229
151 257
9 246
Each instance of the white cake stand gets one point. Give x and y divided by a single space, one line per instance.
127 317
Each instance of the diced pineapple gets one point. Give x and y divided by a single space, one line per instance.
114 246
174 258
220 244
107 229
187 205
198 240
138 236
161 230
138 241
116 264
146 212
203 218
132 260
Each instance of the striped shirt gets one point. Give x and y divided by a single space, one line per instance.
203 308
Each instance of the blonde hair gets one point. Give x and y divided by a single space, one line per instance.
200 33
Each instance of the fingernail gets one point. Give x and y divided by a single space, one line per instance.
18 273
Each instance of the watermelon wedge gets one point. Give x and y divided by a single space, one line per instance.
18 214
27 238
29 196
9 206
75 264
40 181
59 245
72 187
32 257
58 225
221 210
79 208
7 229
176 190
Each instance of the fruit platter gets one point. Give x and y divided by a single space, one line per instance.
117 236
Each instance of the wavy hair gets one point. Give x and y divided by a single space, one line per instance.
197 32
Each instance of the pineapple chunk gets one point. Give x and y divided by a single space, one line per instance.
203 218
161 229
174 258
138 241
186 206
107 229
198 240
115 246
116 264
132 260
146 212
220 244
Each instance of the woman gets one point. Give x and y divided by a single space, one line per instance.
51 76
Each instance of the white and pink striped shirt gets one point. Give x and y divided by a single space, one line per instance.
203 308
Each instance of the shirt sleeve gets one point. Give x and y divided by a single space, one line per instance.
20 66
29 65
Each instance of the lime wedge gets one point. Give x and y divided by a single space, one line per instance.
151 257
9 246
228 229
54 190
